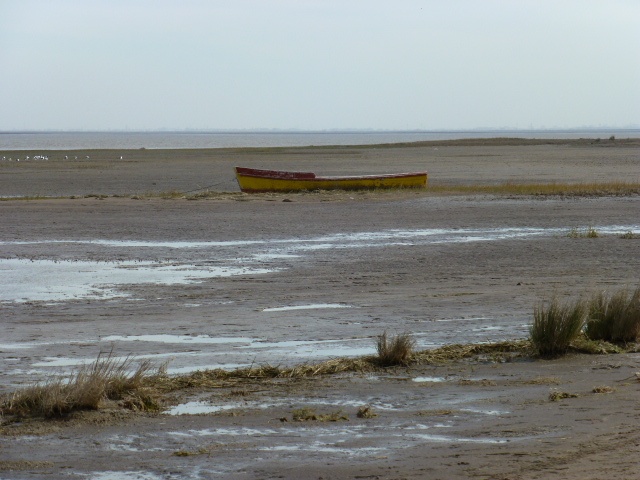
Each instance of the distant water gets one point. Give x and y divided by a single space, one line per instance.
171 140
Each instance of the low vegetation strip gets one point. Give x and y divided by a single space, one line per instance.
600 325
107 379
543 189
594 189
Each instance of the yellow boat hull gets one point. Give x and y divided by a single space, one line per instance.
253 180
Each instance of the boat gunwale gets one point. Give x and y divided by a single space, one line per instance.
310 177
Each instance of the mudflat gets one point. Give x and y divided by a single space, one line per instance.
231 280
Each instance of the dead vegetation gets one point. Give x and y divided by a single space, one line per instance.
107 379
588 232
603 389
594 189
86 389
556 396
395 351
366 411
306 414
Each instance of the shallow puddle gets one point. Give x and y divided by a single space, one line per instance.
326 448
446 439
190 339
113 475
200 408
312 306
429 379
51 280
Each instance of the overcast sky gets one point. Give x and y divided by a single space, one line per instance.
318 64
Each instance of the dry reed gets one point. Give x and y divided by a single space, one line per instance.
544 189
395 351
85 389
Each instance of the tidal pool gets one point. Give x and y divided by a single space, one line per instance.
52 280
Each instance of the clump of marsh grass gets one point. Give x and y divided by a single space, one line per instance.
306 414
395 351
589 232
584 344
603 389
189 453
556 396
614 317
170 194
629 235
366 411
434 413
85 389
556 325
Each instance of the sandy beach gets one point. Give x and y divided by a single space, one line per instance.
233 280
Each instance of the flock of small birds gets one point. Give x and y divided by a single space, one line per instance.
26 158
37 158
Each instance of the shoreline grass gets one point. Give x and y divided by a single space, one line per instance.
543 189
593 189
556 325
107 381
614 317
86 389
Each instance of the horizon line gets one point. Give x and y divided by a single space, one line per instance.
321 131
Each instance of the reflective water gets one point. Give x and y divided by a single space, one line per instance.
312 306
54 280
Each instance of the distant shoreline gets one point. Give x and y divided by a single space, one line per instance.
66 141
461 142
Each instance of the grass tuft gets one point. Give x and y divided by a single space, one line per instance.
555 326
589 232
306 414
85 389
556 396
366 411
614 318
395 351
603 389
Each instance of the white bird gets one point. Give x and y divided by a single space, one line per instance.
66 158
120 157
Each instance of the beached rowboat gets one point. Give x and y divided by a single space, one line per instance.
254 180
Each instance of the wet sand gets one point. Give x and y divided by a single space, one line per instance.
329 272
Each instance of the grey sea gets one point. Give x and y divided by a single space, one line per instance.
176 140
